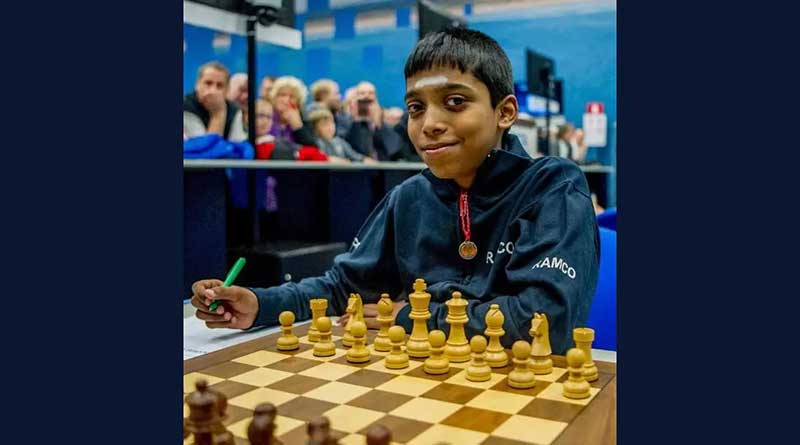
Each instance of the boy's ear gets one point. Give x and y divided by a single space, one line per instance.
507 111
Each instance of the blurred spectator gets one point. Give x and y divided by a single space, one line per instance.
237 93
337 149
580 142
392 116
367 134
325 94
570 143
287 95
345 119
237 90
598 209
266 87
205 110
406 152
276 148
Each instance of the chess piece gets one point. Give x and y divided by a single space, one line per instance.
261 430
379 435
319 431
541 363
496 356
478 370
583 340
324 347
385 319
397 358
355 308
576 386
359 352
522 377
206 412
418 345
221 435
318 308
457 349
287 341
203 414
347 338
437 363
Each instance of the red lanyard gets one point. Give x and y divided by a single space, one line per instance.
463 212
467 250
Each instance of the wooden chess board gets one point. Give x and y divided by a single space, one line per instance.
417 407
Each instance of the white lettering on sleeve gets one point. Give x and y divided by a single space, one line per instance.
556 263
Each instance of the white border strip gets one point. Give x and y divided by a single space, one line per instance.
201 15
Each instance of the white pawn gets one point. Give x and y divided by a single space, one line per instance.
521 377
397 358
359 352
324 347
437 363
576 387
478 370
287 341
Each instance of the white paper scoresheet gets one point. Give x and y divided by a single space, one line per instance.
199 340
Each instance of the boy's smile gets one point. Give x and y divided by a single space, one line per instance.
451 122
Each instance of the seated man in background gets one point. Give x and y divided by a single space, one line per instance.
367 134
336 148
237 93
237 90
325 94
206 110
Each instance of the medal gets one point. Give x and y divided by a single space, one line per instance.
467 250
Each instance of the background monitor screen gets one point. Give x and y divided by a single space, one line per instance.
539 68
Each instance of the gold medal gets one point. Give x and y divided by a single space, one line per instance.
468 250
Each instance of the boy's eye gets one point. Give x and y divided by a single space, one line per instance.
414 107
454 101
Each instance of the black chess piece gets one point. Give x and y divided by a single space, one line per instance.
379 435
261 430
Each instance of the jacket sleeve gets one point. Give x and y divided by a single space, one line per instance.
367 268
553 268
359 137
349 152
304 136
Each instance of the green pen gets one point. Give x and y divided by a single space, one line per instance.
229 280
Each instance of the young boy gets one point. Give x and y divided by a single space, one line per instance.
336 148
485 219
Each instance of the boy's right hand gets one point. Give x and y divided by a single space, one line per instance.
238 305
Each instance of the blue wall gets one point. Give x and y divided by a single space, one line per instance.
582 44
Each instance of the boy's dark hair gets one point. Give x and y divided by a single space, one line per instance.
469 51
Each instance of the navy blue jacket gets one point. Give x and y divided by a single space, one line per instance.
538 250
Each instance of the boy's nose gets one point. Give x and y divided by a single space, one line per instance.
433 127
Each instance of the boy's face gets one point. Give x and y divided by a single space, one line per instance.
326 129
451 122
263 117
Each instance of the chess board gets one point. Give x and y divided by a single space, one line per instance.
417 407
